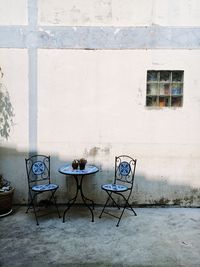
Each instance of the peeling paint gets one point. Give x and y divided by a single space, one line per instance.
116 31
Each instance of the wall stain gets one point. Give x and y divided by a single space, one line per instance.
177 201
93 151
75 10
194 191
189 200
162 201
106 150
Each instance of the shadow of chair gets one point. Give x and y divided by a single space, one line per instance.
122 185
38 175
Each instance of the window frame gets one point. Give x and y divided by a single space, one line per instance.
164 88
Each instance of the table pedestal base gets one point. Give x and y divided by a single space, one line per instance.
84 198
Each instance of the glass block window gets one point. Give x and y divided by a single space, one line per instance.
164 88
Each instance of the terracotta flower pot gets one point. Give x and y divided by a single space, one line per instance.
6 202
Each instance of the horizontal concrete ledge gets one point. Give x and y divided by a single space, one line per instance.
154 37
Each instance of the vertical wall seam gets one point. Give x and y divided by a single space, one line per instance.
32 78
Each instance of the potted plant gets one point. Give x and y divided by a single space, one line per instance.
6 121
82 163
75 164
6 196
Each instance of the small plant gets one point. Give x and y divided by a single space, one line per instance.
6 110
75 164
82 163
4 184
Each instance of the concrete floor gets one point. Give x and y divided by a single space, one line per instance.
156 237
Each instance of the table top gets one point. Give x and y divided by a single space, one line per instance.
68 170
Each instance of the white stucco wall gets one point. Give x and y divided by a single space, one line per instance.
71 103
119 12
96 102
13 12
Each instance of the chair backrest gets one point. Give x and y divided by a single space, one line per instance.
38 168
125 169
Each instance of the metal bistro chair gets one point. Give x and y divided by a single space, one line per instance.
122 186
38 174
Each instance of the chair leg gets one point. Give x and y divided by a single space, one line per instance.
29 202
125 207
35 214
56 204
33 205
109 196
132 209
28 208
113 200
117 225
128 205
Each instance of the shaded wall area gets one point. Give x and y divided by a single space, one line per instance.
148 190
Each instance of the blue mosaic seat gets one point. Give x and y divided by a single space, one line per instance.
38 175
45 187
114 187
122 185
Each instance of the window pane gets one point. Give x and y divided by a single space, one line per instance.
152 76
177 88
151 101
164 101
152 89
177 76
164 89
165 76
176 101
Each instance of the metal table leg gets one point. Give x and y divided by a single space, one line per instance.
79 187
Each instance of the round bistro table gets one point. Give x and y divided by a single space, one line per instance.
76 173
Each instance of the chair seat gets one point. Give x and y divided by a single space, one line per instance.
44 187
114 187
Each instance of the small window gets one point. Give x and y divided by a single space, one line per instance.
164 88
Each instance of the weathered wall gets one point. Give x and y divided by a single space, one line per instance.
80 91
119 12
